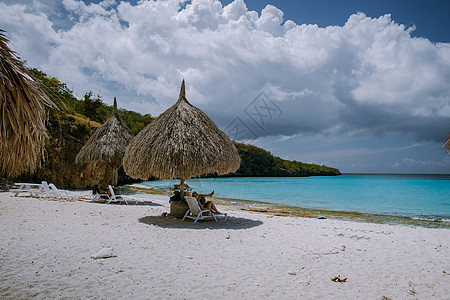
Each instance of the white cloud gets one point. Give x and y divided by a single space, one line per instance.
79 8
29 31
396 164
270 21
445 162
234 10
368 76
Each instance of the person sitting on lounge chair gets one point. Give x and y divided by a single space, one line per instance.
204 204
103 193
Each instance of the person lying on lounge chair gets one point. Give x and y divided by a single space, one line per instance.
204 204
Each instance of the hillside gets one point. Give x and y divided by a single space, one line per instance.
258 162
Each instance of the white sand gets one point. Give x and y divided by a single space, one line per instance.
45 249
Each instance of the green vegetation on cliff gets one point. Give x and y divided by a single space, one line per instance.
90 107
261 163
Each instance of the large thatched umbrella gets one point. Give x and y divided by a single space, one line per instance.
107 144
446 145
181 143
22 115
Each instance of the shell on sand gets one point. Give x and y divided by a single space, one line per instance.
104 253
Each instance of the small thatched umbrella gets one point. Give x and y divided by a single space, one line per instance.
22 115
446 145
107 144
181 143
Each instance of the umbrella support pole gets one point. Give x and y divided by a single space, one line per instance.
115 176
179 208
182 188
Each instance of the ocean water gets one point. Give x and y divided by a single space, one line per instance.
413 196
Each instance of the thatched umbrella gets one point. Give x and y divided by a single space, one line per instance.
22 115
446 145
181 143
107 144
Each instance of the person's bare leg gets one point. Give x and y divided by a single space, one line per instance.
210 205
207 195
207 205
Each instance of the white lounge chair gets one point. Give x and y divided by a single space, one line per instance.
98 197
114 197
47 193
63 195
127 200
34 189
52 193
194 212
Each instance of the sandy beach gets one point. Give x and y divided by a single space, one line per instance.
46 248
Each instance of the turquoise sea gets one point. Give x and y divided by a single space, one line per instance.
425 197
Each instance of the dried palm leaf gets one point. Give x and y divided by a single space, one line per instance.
107 144
22 115
446 144
181 143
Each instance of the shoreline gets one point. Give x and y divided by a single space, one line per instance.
46 248
293 211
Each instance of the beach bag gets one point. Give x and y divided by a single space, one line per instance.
94 190
175 197
117 190
178 208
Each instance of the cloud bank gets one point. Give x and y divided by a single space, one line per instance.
368 77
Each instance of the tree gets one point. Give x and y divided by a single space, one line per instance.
94 108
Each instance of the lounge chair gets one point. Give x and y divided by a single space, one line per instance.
63 195
34 189
52 193
127 200
98 197
194 212
115 198
47 192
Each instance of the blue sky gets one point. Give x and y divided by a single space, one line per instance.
430 17
357 85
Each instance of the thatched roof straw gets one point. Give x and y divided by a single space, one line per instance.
22 115
107 143
446 145
181 143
